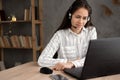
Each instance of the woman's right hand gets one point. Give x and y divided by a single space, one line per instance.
62 66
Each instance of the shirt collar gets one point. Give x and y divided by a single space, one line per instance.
84 29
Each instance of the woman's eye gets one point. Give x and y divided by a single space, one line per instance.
85 18
78 17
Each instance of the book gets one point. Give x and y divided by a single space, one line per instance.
6 41
26 14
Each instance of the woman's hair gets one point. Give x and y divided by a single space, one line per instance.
66 23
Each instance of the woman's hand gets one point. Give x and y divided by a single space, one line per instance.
61 66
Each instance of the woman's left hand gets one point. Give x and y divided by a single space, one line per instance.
61 66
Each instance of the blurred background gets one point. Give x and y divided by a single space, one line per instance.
105 16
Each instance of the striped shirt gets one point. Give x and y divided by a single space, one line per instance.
69 46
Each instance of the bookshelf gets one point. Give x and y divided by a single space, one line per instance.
23 41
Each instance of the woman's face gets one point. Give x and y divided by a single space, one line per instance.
79 19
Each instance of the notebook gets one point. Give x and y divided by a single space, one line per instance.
102 59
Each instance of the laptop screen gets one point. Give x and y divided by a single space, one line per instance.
103 58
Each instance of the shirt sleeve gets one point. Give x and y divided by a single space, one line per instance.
46 57
79 63
92 35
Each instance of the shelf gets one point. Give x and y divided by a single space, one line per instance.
15 48
39 48
37 21
21 21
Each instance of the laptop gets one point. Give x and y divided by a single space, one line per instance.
102 59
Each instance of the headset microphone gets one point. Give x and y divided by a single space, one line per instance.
74 27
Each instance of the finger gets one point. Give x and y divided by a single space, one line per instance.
56 67
59 67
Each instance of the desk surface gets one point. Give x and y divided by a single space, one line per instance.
30 71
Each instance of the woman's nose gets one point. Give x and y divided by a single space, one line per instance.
80 20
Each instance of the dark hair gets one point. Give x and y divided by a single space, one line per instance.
66 23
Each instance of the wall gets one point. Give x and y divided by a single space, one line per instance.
0 4
106 15
53 13
106 22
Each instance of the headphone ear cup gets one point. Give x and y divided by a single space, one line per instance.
88 19
69 15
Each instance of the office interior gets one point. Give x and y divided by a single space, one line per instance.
105 17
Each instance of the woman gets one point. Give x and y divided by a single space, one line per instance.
71 39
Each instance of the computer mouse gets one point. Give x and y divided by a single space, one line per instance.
46 70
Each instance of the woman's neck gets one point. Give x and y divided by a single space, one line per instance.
74 29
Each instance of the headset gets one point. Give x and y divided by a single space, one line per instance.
70 15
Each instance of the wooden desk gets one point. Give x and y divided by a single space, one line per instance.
30 71
112 77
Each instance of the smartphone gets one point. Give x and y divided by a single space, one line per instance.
58 77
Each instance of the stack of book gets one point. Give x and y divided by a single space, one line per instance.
16 41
